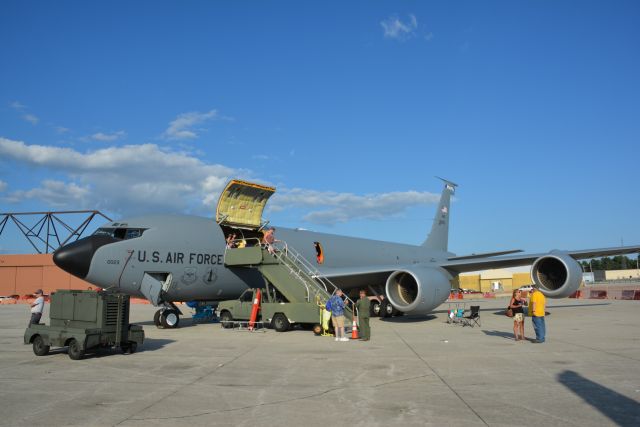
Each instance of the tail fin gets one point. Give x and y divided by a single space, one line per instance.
439 235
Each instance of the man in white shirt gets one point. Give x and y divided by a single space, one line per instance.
37 307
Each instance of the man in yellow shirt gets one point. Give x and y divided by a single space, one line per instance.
537 305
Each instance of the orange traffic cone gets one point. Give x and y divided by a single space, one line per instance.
354 329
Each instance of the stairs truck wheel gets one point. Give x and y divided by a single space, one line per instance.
374 308
317 329
39 348
156 319
280 322
226 319
75 352
133 347
170 319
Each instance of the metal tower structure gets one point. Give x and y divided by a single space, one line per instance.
45 230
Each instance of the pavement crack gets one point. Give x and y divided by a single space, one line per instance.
182 386
242 408
439 377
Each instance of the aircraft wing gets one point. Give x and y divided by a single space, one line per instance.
462 266
352 277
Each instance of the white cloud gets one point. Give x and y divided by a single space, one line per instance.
31 118
18 106
3 186
54 193
145 178
62 130
108 137
182 126
343 207
126 180
395 28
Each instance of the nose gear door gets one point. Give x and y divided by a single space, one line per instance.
154 285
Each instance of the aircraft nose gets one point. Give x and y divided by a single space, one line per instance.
75 258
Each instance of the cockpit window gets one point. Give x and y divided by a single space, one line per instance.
120 233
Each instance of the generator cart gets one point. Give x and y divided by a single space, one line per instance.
85 321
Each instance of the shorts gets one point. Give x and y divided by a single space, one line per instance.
338 321
518 317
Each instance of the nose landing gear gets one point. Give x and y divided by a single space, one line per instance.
167 317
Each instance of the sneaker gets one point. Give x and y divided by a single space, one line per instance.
337 339
344 339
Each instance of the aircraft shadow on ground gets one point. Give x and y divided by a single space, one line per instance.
409 319
620 409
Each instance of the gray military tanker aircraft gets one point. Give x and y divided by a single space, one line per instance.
170 258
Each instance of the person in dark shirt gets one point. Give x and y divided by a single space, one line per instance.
516 305
363 305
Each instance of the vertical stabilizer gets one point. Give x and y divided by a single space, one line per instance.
439 236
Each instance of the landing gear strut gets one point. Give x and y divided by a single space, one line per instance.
167 317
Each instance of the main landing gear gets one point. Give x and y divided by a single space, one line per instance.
167 317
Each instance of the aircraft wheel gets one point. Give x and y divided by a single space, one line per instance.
374 308
156 319
226 319
280 322
75 352
170 319
386 309
39 348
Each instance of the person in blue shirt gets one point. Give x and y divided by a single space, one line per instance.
336 306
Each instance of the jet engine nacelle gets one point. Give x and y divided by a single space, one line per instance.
418 290
557 274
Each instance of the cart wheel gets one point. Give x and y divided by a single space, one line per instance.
129 347
75 352
39 348
280 322
317 329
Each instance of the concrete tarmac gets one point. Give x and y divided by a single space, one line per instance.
413 372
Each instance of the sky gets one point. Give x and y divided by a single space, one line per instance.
349 108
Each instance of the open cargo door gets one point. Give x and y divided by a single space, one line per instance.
241 204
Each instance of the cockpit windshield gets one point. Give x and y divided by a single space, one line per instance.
120 233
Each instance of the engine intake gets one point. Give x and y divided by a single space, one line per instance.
557 274
418 290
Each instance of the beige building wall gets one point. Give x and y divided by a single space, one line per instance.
521 279
470 282
622 274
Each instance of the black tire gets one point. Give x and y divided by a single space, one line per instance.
374 308
280 322
226 319
317 329
39 347
75 352
170 319
156 319
386 309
